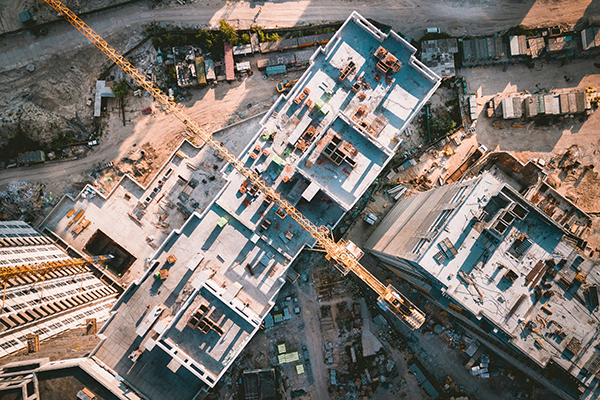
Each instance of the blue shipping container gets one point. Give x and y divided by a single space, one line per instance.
277 69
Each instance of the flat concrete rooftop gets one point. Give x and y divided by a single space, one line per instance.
140 218
376 106
211 349
232 254
220 264
344 182
504 270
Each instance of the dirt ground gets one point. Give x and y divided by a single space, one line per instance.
322 333
55 89
52 99
10 10
580 136
158 134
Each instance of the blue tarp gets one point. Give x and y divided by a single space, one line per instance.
277 69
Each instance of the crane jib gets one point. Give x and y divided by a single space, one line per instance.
338 253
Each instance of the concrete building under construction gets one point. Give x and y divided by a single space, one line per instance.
36 307
201 294
501 264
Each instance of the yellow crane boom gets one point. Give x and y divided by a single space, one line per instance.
41 269
339 253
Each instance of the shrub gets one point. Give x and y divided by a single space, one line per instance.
229 32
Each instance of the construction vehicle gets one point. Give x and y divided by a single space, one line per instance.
343 254
591 97
41 269
285 85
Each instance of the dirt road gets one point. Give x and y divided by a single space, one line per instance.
308 303
51 171
464 17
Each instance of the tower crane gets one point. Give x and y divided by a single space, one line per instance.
340 253
41 269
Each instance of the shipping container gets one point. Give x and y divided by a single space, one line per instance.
229 64
243 50
209 68
200 71
277 69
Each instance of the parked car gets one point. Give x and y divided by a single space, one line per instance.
93 143
433 30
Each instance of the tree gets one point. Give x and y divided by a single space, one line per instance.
205 38
120 89
273 37
245 38
441 125
229 32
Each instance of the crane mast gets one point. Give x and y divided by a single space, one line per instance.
337 252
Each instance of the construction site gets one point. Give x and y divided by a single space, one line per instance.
318 215
223 265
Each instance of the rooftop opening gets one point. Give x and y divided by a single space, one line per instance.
447 251
519 210
520 246
100 244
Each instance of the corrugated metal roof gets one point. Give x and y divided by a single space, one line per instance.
483 49
590 38
428 387
210 70
418 374
279 59
514 45
267 47
518 106
229 65
269 321
523 45
507 108
242 50
580 101
32 157
551 104
541 105
572 102
531 107
564 103
496 47
303 56
286 44
315 39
